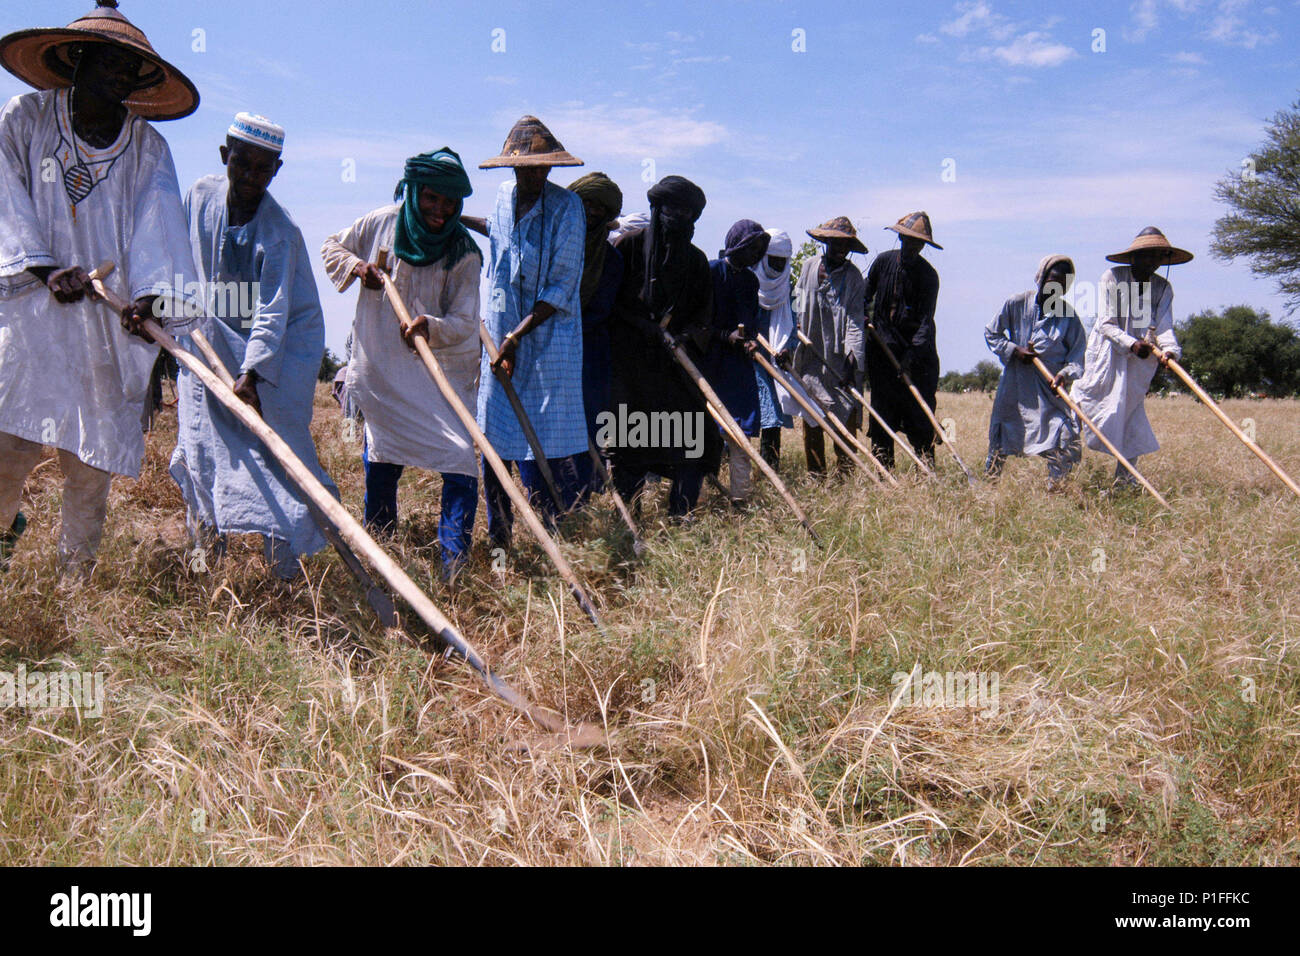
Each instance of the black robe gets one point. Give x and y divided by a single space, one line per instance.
645 376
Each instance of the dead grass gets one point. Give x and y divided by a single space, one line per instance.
1146 713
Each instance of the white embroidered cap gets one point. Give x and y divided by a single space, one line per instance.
257 130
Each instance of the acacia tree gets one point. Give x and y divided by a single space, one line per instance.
1264 196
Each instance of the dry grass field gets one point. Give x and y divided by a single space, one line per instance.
1147 708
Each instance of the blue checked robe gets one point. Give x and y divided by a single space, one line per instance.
538 258
225 475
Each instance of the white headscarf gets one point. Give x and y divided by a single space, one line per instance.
774 288
1045 266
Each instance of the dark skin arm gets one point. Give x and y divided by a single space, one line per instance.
246 389
68 285
737 339
136 314
370 275
475 224
509 346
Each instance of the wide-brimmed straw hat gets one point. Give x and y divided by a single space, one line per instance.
839 228
1152 238
43 58
530 143
916 225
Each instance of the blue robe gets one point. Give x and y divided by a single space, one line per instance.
1028 417
225 475
728 369
536 259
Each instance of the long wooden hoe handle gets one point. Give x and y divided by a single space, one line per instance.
349 528
824 419
1074 407
597 461
875 415
494 461
916 394
727 422
1213 406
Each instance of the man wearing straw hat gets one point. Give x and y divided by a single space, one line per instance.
902 290
829 302
248 251
84 178
537 232
1135 308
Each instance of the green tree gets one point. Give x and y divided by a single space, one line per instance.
801 255
1264 196
329 366
982 378
1241 352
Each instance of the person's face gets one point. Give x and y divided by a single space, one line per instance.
596 214
531 179
435 209
748 256
837 250
910 248
776 264
1145 263
250 170
1056 283
675 219
108 72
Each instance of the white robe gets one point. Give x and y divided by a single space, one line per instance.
408 422
1112 390
70 377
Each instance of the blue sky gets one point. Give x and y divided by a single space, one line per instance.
1055 147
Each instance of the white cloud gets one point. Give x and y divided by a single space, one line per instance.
1231 22
634 132
1033 50
974 17
1229 26
1004 39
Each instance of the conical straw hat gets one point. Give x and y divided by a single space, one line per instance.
43 58
1152 238
530 143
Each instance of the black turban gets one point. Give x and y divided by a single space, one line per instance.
677 191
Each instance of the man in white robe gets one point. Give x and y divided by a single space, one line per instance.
435 265
1134 309
83 178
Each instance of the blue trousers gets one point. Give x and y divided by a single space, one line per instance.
455 523
568 482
